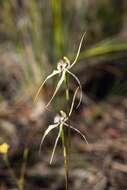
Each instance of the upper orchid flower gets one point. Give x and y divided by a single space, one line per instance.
63 67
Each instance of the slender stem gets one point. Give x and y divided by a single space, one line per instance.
63 136
66 135
67 87
12 173
23 169
67 111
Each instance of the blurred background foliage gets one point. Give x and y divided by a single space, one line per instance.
38 33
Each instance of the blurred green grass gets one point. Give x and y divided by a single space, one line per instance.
41 32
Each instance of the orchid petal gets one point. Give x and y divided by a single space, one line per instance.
50 127
77 55
78 81
57 87
73 101
79 132
55 72
54 148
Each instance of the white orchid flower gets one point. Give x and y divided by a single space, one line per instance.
60 121
63 67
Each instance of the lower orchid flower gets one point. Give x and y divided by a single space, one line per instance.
60 121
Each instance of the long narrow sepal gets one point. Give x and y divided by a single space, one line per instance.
79 48
79 132
54 148
55 72
73 101
47 131
78 81
57 88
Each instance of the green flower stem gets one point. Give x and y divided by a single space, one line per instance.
67 111
12 173
66 137
21 181
63 136
67 87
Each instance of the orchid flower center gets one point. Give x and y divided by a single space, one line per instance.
59 118
63 64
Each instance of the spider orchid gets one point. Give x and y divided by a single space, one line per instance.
63 67
60 121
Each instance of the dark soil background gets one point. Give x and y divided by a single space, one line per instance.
34 35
